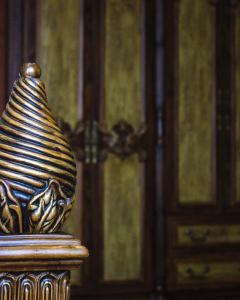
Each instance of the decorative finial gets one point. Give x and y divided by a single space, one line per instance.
37 168
31 70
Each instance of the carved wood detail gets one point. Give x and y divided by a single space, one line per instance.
35 286
37 169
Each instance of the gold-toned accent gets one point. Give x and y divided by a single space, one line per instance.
31 70
35 286
49 209
37 169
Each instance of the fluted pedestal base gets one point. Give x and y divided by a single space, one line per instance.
37 267
35 286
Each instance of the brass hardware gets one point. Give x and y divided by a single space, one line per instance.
198 236
37 169
123 140
193 274
94 142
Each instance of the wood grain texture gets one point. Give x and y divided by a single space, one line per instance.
122 218
40 252
122 184
57 52
195 88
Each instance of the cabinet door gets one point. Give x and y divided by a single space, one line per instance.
98 70
190 103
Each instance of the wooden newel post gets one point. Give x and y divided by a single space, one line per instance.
37 183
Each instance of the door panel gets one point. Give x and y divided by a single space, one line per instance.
58 50
195 101
122 179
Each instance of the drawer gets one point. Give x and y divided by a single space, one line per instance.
198 273
190 235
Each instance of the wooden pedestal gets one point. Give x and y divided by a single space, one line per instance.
37 267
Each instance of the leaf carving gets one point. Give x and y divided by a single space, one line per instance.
48 209
10 210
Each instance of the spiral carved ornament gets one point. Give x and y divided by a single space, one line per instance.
37 168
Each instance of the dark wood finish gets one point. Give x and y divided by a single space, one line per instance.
224 103
3 53
21 36
35 286
92 231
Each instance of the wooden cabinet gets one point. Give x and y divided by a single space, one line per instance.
151 91
201 151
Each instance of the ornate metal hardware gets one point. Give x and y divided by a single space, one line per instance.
92 142
198 236
193 274
123 141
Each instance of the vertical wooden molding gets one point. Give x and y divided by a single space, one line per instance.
15 52
224 102
21 36
3 53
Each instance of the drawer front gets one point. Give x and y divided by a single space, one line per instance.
195 273
190 235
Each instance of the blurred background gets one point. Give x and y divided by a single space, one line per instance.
148 94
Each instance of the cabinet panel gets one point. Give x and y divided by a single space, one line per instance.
123 183
57 53
195 101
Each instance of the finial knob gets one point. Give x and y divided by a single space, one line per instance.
37 167
31 70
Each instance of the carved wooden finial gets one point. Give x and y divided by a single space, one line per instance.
37 182
37 168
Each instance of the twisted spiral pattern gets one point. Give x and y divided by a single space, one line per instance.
33 149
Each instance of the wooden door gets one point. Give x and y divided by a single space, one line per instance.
98 65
